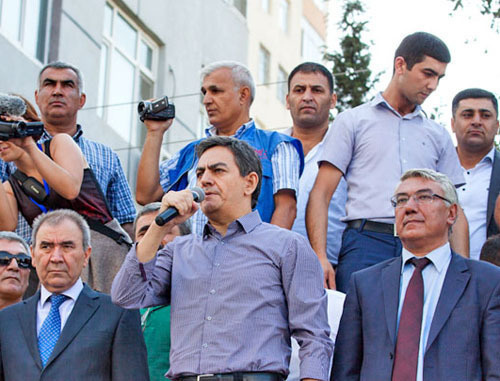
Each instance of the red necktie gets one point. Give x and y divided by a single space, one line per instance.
410 324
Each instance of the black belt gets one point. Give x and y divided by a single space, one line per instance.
235 376
372 226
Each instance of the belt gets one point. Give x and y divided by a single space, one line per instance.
372 226
235 376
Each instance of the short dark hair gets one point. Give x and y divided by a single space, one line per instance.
244 155
415 47
473 93
491 250
313 67
63 65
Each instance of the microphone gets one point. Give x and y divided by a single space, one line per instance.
168 214
11 105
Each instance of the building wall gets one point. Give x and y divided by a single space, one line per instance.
285 48
189 34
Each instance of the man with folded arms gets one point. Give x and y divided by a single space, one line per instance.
239 291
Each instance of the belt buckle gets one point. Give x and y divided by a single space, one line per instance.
200 377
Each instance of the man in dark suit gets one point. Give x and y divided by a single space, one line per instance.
67 331
475 124
429 314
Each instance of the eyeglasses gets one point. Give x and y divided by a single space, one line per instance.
23 260
420 197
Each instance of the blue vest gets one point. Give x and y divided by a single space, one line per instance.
264 142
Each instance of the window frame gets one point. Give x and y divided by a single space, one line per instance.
39 53
150 74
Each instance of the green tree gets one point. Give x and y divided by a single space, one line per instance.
488 7
351 65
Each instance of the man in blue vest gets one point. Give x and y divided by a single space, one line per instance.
228 91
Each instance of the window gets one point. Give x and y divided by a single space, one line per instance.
284 10
240 5
282 85
126 73
312 43
266 5
25 21
264 63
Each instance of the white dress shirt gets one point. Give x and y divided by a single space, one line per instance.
473 197
433 275
336 208
65 309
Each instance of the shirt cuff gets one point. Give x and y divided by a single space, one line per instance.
316 368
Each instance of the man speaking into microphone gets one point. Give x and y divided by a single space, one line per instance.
239 291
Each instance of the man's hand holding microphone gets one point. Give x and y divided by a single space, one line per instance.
176 208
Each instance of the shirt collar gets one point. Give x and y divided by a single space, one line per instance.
212 131
73 292
380 100
76 136
490 156
438 257
247 223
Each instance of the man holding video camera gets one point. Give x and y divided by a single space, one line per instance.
59 97
228 91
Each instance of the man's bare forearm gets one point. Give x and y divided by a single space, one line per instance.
285 208
148 188
459 239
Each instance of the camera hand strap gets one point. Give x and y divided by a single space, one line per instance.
37 192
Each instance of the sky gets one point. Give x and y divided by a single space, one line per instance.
473 44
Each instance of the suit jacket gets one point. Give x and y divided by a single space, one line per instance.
464 337
493 192
100 341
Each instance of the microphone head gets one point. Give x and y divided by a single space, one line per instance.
198 194
11 105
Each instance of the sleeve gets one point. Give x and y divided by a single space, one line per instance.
490 337
4 171
339 141
118 193
286 166
147 284
165 167
2 377
23 229
449 163
307 308
129 356
349 341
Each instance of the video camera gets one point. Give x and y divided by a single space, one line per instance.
158 109
19 129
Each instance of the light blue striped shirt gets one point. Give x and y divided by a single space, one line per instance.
433 275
